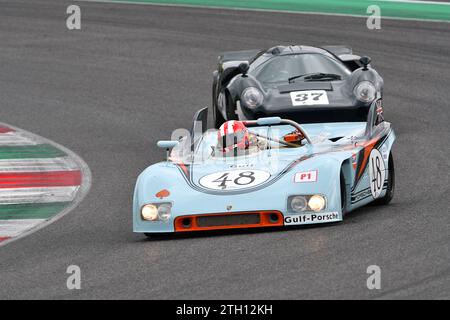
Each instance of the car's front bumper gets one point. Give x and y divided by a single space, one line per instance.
237 220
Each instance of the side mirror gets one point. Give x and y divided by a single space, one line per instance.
167 144
268 121
243 68
365 61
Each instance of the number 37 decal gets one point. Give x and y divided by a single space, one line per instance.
312 97
234 179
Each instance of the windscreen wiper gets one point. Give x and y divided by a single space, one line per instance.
316 76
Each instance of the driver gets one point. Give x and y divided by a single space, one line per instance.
233 136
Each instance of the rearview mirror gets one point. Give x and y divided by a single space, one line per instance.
365 61
243 68
268 121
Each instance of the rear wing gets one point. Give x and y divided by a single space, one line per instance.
345 54
338 50
239 56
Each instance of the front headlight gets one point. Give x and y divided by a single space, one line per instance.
316 203
365 91
252 97
149 212
299 203
305 203
156 211
164 211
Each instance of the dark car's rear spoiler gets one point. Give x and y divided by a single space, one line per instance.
345 54
245 55
338 50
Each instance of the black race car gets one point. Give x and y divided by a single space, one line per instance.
302 83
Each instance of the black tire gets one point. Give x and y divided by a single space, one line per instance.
230 109
217 116
343 195
391 184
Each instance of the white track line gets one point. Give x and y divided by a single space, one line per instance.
13 228
37 195
41 165
15 139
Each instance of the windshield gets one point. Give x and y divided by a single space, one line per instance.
259 139
280 69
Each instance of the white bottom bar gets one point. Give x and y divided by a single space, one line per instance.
13 228
32 165
37 195
15 139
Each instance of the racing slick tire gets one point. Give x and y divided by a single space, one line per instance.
217 117
230 108
391 184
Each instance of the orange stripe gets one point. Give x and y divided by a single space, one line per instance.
368 147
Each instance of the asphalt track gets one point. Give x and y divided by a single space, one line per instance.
133 74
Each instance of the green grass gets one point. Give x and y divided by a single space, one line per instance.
31 210
427 11
30 152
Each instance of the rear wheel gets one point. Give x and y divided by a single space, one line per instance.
391 184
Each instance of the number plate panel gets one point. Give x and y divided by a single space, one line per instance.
310 97
234 179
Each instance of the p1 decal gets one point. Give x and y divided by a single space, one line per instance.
376 173
234 179
307 176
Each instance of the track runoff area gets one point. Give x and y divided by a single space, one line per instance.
388 9
39 181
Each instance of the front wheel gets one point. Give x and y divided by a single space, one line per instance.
217 115
391 184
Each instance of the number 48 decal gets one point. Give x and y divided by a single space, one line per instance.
245 178
377 173
234 179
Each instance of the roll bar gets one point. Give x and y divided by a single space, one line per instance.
273 121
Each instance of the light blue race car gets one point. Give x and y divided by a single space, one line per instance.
286 174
